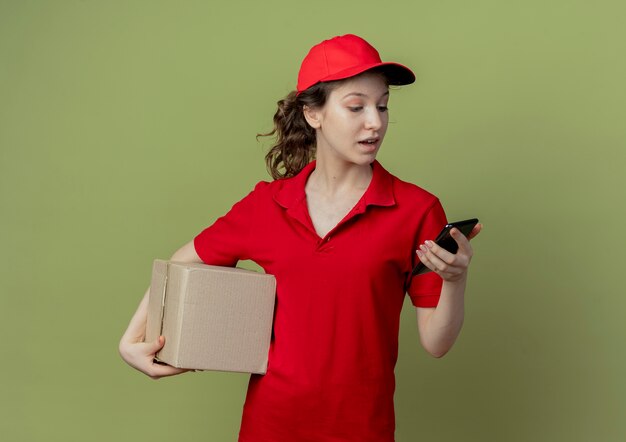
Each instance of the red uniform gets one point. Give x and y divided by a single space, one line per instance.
334 346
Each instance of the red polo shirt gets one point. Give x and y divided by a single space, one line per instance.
334 345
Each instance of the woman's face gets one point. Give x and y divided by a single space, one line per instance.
353 122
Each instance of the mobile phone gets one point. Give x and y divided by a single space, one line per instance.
446 241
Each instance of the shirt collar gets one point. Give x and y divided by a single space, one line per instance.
378 193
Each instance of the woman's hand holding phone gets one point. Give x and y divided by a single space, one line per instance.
450 266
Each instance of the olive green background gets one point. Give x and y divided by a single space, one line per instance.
128 126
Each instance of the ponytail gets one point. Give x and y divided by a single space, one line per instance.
295 139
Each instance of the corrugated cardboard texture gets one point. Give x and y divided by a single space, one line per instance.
212 318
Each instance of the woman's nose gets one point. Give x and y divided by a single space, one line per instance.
373 120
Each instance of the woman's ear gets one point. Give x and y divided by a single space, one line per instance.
312 116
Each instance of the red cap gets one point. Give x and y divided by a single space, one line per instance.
346 56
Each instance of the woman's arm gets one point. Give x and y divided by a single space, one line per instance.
139 354
440 326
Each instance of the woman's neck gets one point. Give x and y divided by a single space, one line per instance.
338 177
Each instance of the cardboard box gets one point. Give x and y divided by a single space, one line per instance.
212 318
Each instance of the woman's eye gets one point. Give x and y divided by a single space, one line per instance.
360 108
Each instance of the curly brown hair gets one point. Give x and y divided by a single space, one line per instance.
295 138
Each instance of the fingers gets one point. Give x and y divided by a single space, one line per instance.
141 356
448 265
439 259
158 371
428 258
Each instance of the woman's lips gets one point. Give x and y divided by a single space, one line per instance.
370 146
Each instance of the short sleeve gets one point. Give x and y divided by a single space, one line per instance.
228 239
424 290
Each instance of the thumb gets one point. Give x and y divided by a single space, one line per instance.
475 231
156 345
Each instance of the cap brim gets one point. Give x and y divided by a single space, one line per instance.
396 73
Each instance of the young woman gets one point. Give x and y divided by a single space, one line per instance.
341 235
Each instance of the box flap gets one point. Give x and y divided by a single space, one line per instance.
156 300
